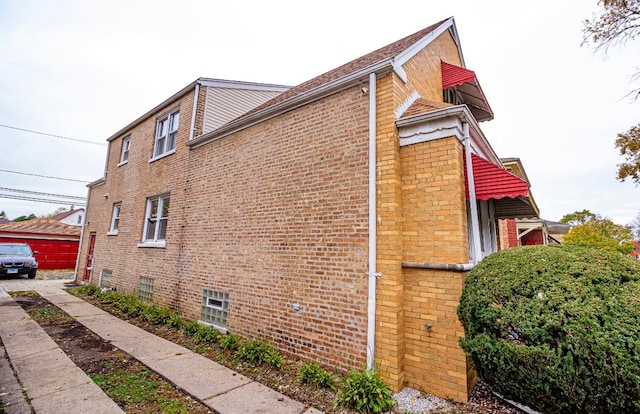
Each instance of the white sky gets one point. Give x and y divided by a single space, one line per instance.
85 69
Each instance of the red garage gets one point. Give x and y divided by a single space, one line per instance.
56 242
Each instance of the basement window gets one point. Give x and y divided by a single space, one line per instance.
214 309
105 278
145 293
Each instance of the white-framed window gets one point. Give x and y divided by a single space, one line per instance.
487 230
115 218
166 131
156 219
124 155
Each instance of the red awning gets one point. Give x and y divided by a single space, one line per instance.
495 183
468 87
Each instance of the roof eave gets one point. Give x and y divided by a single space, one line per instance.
320 92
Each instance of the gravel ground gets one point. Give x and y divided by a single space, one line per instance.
66 274
412 401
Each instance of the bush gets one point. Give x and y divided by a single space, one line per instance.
230 342
556 327
366 392
313 373
259 352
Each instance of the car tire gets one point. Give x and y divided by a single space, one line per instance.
31 275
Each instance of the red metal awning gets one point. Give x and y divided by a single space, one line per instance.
511 193
466 84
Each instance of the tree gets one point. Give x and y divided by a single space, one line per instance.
579 217
629 146
599 232
25 218
618 21
635 226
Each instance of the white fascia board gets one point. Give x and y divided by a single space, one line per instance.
414 49
320 92
227 84
445 122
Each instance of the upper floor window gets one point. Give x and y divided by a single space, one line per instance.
166 134
115 219
156 219
124 155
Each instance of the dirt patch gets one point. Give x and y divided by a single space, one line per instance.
99 358
128 382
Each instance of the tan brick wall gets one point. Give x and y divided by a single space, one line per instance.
275 215
434 225
434 361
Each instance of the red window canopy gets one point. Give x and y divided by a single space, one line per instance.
466 84
511 193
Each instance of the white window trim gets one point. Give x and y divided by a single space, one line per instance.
168 117
126 140
116 207
154 242
166 154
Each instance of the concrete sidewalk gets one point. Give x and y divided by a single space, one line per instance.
30 349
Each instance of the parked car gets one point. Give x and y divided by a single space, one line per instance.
17 259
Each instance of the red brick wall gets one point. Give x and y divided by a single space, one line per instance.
534 237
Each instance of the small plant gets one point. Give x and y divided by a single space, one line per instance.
90 290
230 342
313 373
191 328
207 334
259 352
366 392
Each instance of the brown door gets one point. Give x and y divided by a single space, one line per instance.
87 271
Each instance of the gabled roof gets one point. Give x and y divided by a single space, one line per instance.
383 60
65 214
43 226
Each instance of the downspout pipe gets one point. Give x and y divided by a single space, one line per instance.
193 113
473 203
373 275
84 224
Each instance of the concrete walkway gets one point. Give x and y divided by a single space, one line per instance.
54 384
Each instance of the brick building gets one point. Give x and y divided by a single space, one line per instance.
335 219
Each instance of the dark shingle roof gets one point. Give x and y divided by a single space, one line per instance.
384 53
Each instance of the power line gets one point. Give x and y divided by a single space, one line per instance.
55 136
13 190
45 176
41 200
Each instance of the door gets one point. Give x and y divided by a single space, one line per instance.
89 267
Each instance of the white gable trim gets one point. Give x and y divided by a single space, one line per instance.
225 84
407 103
414 49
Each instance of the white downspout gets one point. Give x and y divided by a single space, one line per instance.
473 204
193 114
373 275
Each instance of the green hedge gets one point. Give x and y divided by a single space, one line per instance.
556 328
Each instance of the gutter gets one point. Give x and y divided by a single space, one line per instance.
473 203
373 275
320 92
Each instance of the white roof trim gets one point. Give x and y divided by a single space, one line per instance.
414 49
226 84
407 103
442 123
297 101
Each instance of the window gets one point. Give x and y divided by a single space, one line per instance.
214 308
156 218
166 134
145 293
124 155
487 230
115 219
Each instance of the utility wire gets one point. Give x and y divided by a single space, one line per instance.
55 136
13 190
41 200
45 176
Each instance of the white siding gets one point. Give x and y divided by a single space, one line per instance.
225 104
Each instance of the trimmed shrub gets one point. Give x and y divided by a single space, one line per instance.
259 352
556 327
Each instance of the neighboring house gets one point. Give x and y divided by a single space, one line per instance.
336 219
636 251
74 217
56 242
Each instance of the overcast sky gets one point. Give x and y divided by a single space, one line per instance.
85 69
